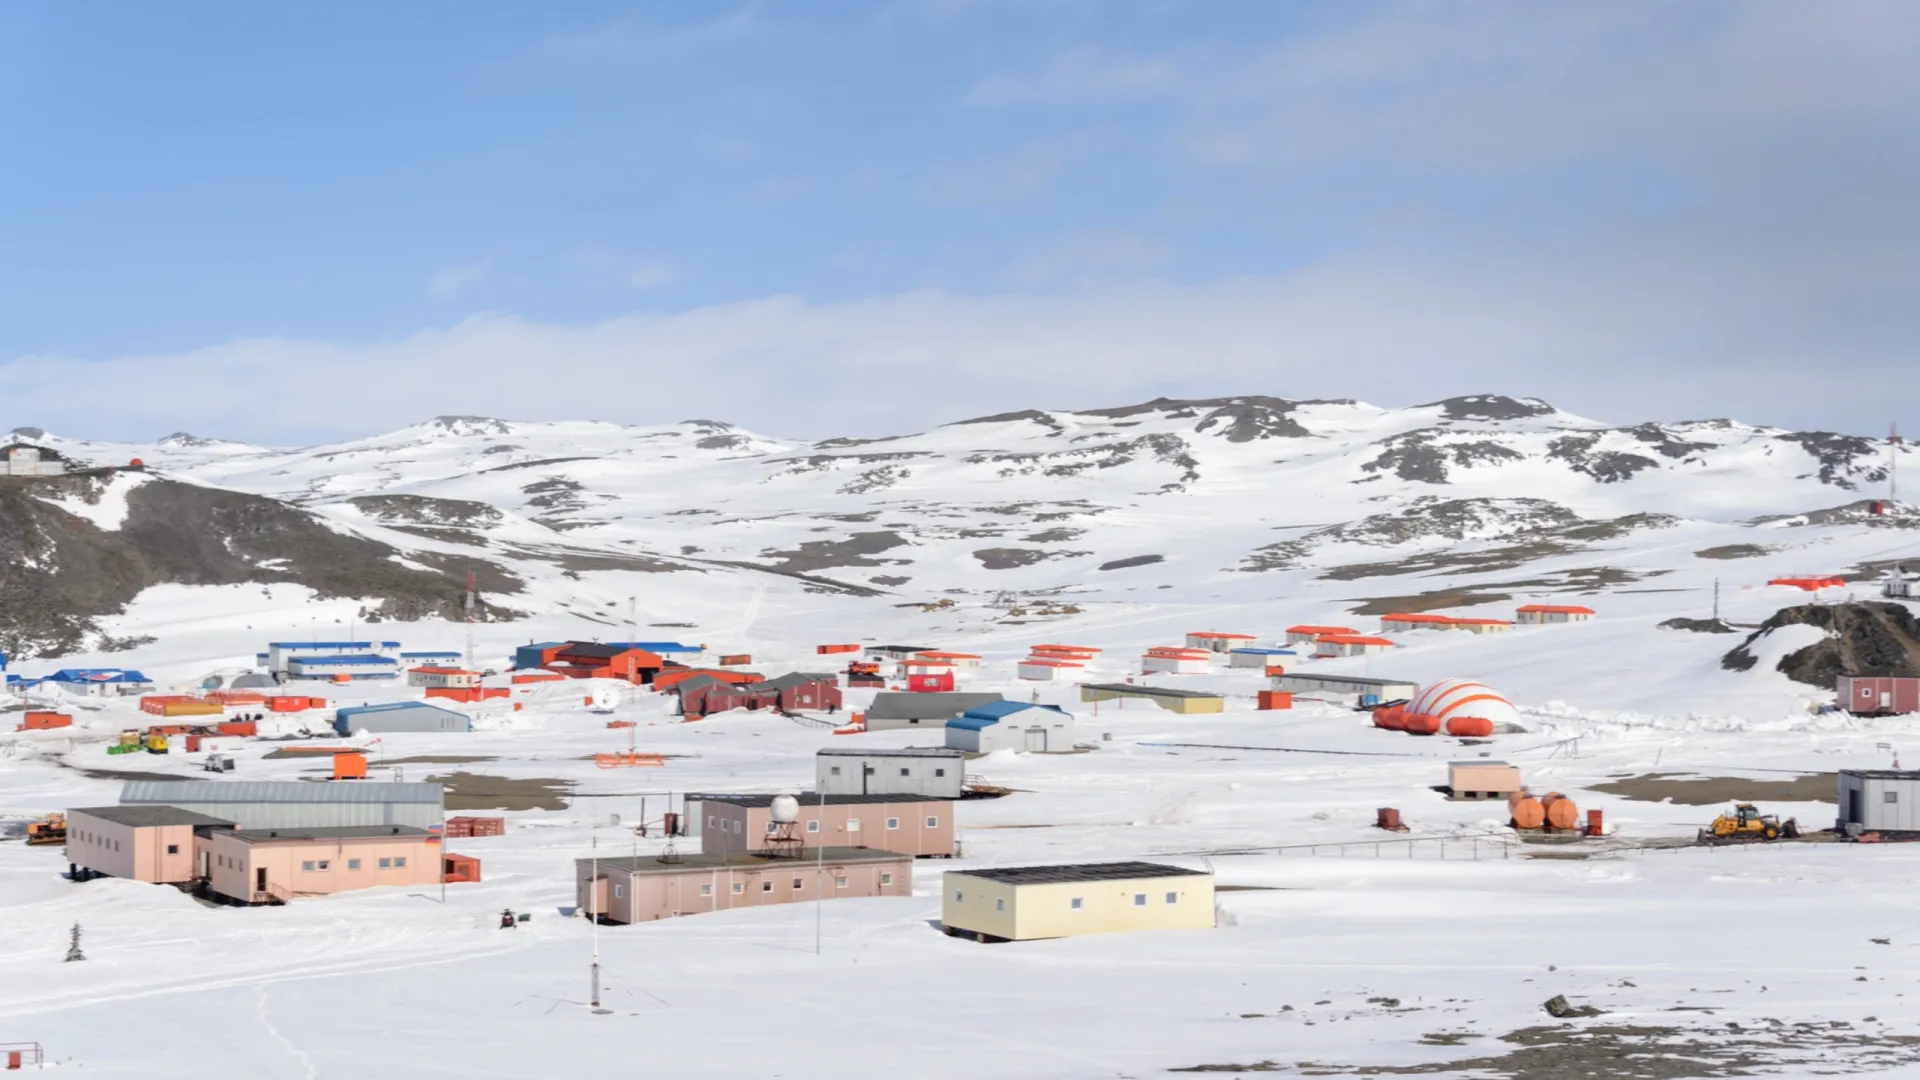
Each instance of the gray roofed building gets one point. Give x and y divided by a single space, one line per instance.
296 804
149 817
1313 683
1113 871
796 678
893 710
340 832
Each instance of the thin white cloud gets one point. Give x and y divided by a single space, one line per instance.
450 281
634 275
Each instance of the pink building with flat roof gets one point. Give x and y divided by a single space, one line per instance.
257 866
632 889
903 824
141 843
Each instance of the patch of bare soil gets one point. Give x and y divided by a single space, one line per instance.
478 791
1733 551
437 759
1432 601
1642 1052
1710 790
1698 626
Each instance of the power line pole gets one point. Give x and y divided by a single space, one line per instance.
1716 599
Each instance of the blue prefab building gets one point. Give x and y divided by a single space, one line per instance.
399 716
528 657
1261 658
281 654
353 667
1012 725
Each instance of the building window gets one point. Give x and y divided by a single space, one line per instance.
797 883
739 887
834 771
893 823
939 772
999 904
173 849
706 890
1173 898
1891 796
840 882
853 824
1139 899
886 879
958 896
771 828
619 891
709 821
325 865
1075 903
739 826
353 864
386 864
933 823
306 866
868 770
813 826
766 886
905 772
399 862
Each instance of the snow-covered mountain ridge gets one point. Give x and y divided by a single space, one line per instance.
1456 501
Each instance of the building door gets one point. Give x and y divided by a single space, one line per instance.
597 897
1853 806
1036 740
260 879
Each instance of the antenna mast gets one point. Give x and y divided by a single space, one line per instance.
1893 462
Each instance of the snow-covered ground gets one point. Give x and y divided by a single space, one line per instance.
1366 952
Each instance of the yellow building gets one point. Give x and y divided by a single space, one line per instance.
1168 698
1023 903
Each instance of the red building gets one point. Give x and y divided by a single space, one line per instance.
589 660
800 690
1877 695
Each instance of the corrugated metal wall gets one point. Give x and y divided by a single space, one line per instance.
297 805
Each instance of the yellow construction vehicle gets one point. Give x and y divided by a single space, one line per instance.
51 829
1745 824
155 742
129 743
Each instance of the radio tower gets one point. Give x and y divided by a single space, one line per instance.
470 603
1893 462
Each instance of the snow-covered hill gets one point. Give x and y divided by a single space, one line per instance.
1343 505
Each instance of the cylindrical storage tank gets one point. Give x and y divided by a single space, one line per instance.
1596 824
1560 811
1528 813
1470 727
1390 717
1423 724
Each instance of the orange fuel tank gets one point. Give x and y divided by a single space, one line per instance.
1560 811
1528 813
1391 717
1423 724
1470 727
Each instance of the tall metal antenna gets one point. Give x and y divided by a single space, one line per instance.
1893 462
593 905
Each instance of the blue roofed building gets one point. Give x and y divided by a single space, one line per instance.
355 668
281 654
100 682
1020 726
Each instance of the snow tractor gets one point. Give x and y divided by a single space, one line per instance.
1747 824
51 829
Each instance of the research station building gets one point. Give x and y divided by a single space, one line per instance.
924 772
631 889
1024 903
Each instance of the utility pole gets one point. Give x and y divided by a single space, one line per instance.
1716 599
470 604
593 906
819 870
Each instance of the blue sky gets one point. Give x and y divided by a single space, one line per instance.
1074 203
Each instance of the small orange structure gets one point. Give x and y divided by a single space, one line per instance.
294 703
44 721
1469 727
735 659
829 650
350 765
628 759
620 723
236 697
1810 584
460 868
1276 669
1388 818
1561 814
1527 812
525 678
464 827
178 705
237 728
1308 632
1390 717
1422 724
1596 824
1276 699
342 677
930 682
470 694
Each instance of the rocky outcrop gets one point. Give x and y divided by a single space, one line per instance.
1863 639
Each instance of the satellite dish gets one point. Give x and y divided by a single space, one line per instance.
212 682
604 699
786 809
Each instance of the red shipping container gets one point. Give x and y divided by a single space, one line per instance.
1275 669
460 868
193 744
930 684
1877 695
732 659
41 721
236 727
464 827
829 650
537 677
1276 699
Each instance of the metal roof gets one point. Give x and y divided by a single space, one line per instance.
278 791
659 646
1053 875
394 706
695 861
1267 652
797 678
148 816
943 706
898 751
812 798
1152 691
999 710
332 644
323 661
335 832
1881 774
1347 680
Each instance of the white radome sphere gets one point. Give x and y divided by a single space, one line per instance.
786 809
1450 698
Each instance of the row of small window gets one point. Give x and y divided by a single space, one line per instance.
311 866
834 770
740 887
111 845
1076 903
853 824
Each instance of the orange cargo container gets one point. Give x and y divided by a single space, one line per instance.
731 659
294 703
1275 669
42 721
236 727
460 868
193 743
471 694
462 827
1276 699
1472 727
1422 724
1528 813
537 677
236 697
350 765
829 650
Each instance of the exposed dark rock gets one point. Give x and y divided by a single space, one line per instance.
1560 1008
1130 563
724 442
1035 415
1837 455
1491 407
1663 441
1423 456
425 510
1053 536
826 554
1606 466
1866 638
1732 551
1012 558
471 425
64 572
1698 626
